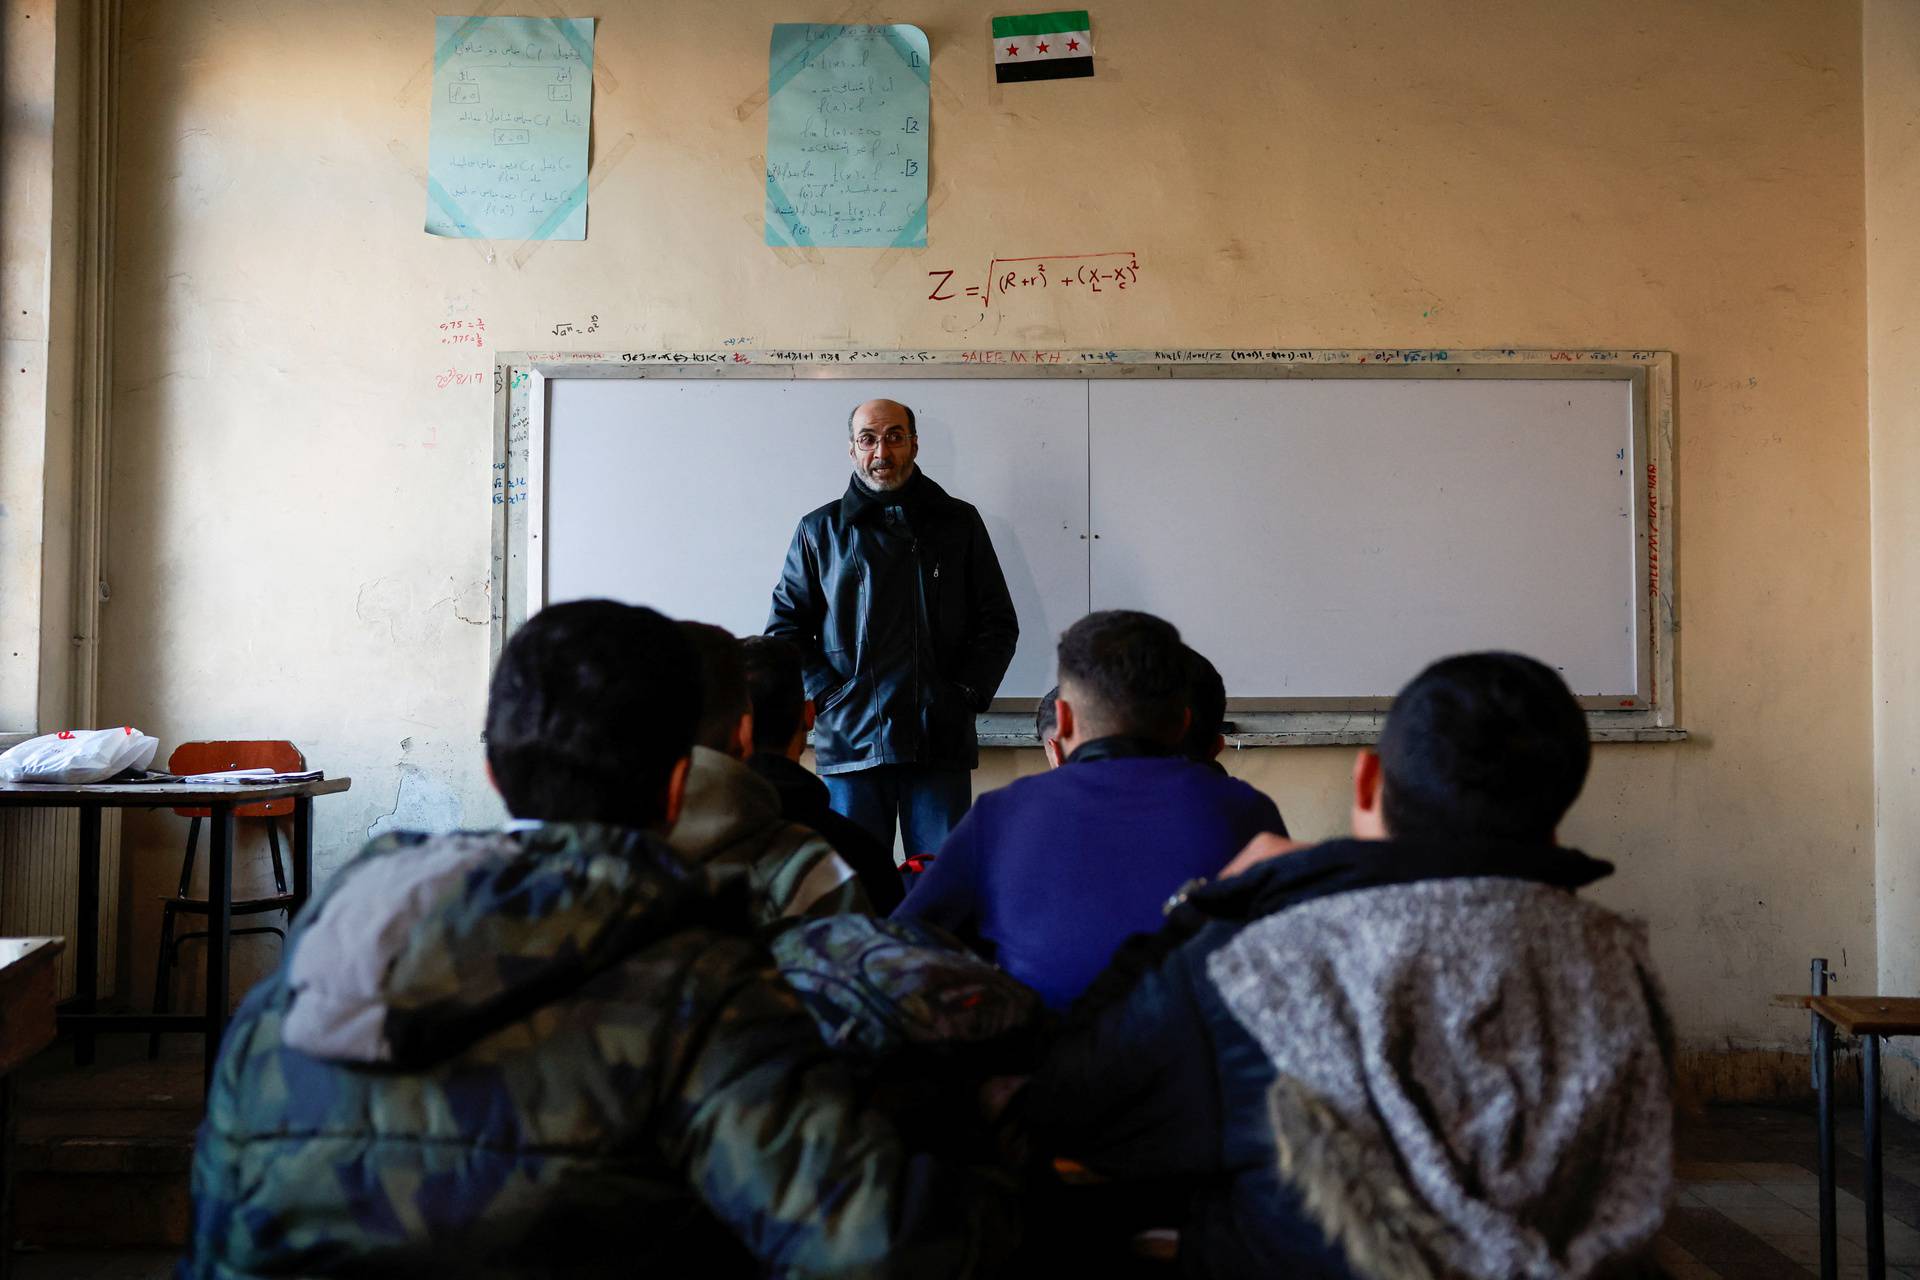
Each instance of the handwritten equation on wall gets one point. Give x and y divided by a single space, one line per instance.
1066 273
461 331
509 487
464 333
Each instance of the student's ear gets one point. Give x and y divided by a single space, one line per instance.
1051 748
742 745
1369 821
807 714
1062 721
676 795
491 780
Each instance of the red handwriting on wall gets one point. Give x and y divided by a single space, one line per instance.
1012 357
464 333
1104 273
451 377
1653 531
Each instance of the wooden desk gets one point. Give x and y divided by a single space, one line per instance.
29 981
80 1016
1867 1018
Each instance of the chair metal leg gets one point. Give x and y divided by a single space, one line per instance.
1823 1064
169 956
163 974
273 849
1876 1218
302 854
1813 1021
186 865
86 928
219 927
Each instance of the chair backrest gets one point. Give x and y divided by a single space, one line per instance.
218 757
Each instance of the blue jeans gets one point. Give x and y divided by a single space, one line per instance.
927 803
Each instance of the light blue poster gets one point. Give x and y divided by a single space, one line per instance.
847 122
507 145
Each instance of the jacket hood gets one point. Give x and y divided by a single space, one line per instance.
428 943
1472 1075
727 804
1343 866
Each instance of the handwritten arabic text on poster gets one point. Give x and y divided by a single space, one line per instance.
507 148
847 121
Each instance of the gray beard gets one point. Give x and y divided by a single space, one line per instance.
866 481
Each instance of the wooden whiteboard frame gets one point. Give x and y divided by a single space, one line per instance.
519 517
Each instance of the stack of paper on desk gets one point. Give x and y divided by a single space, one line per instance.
252 777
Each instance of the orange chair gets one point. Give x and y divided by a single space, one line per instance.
216 757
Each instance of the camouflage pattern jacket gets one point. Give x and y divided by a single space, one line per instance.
732 818
545 1051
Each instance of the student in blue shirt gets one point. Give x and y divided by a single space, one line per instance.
1048 876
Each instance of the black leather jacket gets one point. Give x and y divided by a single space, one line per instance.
898 604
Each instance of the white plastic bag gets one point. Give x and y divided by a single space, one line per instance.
78 755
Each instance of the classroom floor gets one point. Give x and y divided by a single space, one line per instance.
1744 1209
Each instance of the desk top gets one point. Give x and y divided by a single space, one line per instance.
17 954
1863 1015
28 982
155 795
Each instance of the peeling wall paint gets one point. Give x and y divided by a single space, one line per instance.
1678 177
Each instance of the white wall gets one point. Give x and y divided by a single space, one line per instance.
1892 97
299 537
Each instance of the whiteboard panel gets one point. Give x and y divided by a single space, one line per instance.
683 494
1328 538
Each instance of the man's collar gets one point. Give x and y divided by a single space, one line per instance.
1118 746
859 500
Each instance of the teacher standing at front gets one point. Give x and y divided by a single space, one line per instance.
896 599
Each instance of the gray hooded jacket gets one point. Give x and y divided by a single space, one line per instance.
1472 1076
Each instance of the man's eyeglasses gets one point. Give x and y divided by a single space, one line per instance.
867 441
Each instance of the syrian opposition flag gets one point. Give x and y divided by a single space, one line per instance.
1042 46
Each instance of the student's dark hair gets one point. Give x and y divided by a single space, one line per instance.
776 687
723 683
590 707
913 428
1131 666
1483 745
1046 716
1207 698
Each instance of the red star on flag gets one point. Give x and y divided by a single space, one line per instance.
1042 46
1072 45
1013 51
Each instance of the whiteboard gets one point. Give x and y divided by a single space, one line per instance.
1320 523
1327 539
683 494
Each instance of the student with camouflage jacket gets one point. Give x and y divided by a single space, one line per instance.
732 815
559 1048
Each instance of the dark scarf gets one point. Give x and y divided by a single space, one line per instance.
909 497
